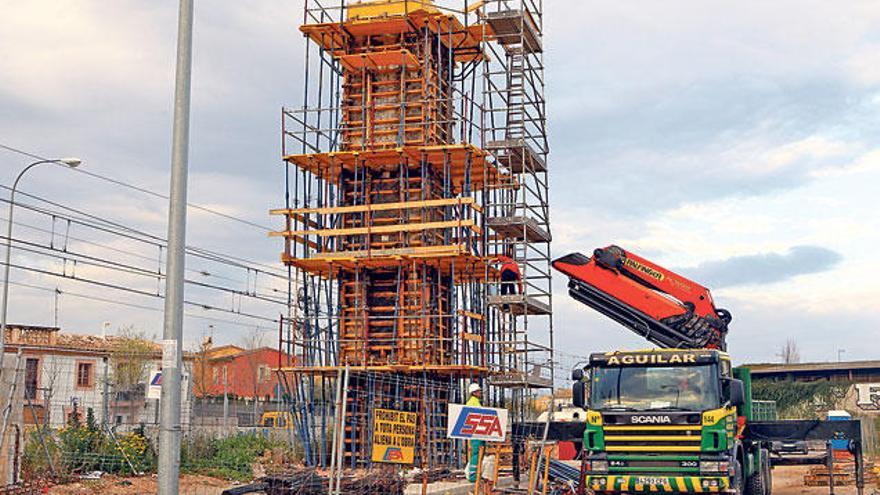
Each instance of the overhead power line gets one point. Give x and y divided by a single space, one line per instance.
143 190
137 306
112 227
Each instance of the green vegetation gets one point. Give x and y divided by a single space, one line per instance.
82 447
797 400
231 458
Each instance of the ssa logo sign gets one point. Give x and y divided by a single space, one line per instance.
477 423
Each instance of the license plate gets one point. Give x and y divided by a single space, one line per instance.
647 480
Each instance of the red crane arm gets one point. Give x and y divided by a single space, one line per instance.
658 278
662 306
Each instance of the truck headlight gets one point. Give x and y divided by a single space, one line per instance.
714 467
597 466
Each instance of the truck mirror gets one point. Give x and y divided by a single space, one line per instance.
578 398
736 392
577 374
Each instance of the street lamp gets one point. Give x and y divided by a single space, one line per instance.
70 162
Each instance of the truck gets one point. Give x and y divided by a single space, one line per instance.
676 418
668 420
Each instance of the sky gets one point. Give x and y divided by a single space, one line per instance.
738 143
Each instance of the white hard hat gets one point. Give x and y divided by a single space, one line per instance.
473 387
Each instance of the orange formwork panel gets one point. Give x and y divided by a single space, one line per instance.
375 60
336 37
465 163
446 259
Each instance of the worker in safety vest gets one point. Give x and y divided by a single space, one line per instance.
511 278
475 393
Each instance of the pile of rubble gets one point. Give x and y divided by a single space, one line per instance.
844 475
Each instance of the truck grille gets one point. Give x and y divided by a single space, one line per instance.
653 439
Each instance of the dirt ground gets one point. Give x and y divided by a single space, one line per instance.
789 480
189 485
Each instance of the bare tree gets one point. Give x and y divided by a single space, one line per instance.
251 342
131 356
202 370
790 353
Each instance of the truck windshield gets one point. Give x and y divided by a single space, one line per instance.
691 388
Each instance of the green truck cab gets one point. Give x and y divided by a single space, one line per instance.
668 421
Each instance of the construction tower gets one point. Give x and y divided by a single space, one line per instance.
418 155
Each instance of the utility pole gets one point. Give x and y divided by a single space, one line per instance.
172 347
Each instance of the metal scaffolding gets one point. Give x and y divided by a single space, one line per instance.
418 155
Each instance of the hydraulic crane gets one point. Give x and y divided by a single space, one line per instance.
679 418
665 308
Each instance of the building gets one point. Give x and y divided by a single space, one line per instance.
863 396
66 373
851 371
236 372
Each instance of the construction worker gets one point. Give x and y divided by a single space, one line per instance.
475 394
511 278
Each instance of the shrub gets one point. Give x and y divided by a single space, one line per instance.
83 447
34 463
231 457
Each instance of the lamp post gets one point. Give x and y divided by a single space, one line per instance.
70 162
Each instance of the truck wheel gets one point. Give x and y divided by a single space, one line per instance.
757 482
737 487
768 473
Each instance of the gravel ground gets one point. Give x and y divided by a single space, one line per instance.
789 480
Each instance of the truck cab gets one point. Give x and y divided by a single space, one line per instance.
667 420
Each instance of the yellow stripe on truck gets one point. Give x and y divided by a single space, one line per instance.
653 428
679 482
651 448
667 438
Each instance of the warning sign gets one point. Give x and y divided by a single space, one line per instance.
394 436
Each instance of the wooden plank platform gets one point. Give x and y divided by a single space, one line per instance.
519 228
519 379
463 162
459 369
519 304
467 265
517 155
512 27
382 229
400 205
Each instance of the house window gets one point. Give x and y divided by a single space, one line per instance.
263 373
31 378
85 375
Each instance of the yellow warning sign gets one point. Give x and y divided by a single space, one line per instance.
394 436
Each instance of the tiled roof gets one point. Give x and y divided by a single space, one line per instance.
52 338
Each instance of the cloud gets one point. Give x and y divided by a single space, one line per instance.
765 268
667 121
657 120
